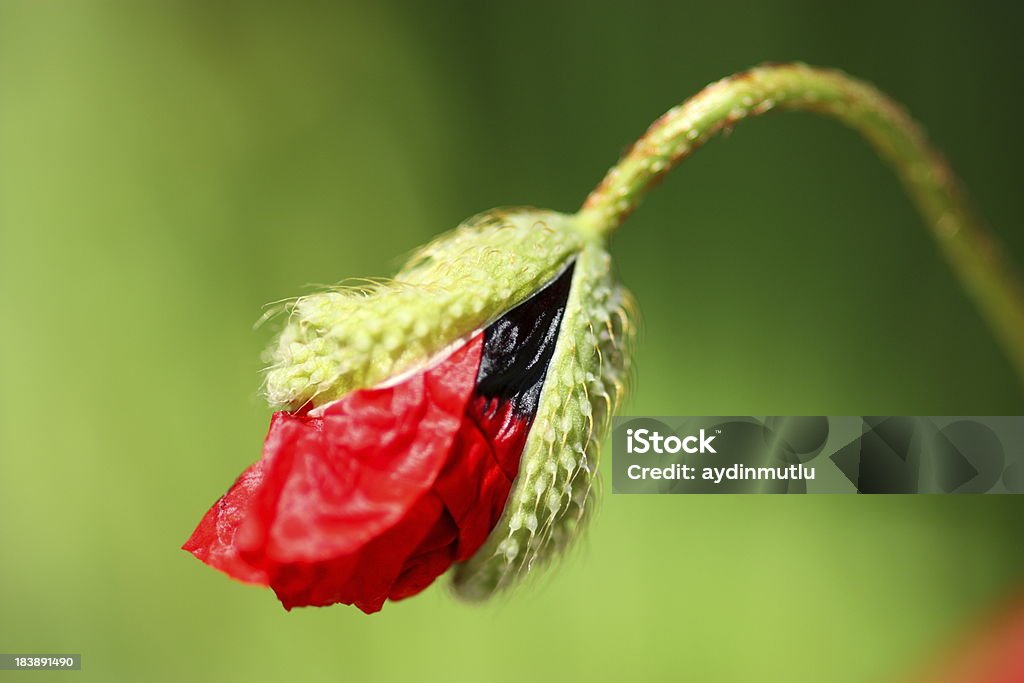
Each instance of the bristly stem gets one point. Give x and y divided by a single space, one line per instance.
974 253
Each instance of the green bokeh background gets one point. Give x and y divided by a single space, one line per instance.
168 168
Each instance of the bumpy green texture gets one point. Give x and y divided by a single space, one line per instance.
556 487
970 248
348 338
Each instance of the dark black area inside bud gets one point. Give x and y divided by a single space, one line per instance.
518 347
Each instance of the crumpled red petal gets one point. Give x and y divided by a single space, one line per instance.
213 541
374 498
356 471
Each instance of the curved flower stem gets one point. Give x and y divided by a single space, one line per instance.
968 245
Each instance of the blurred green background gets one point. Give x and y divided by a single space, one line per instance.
167 168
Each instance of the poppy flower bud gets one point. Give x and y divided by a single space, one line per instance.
451 416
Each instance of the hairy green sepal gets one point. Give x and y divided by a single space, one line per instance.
352 337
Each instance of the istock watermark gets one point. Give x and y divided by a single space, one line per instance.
815 454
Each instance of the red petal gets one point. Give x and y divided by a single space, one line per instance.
214 540
476 481
433 557
340 502
365 578
374 454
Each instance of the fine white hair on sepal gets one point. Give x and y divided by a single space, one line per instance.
356 335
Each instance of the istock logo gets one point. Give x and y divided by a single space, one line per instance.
647 441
